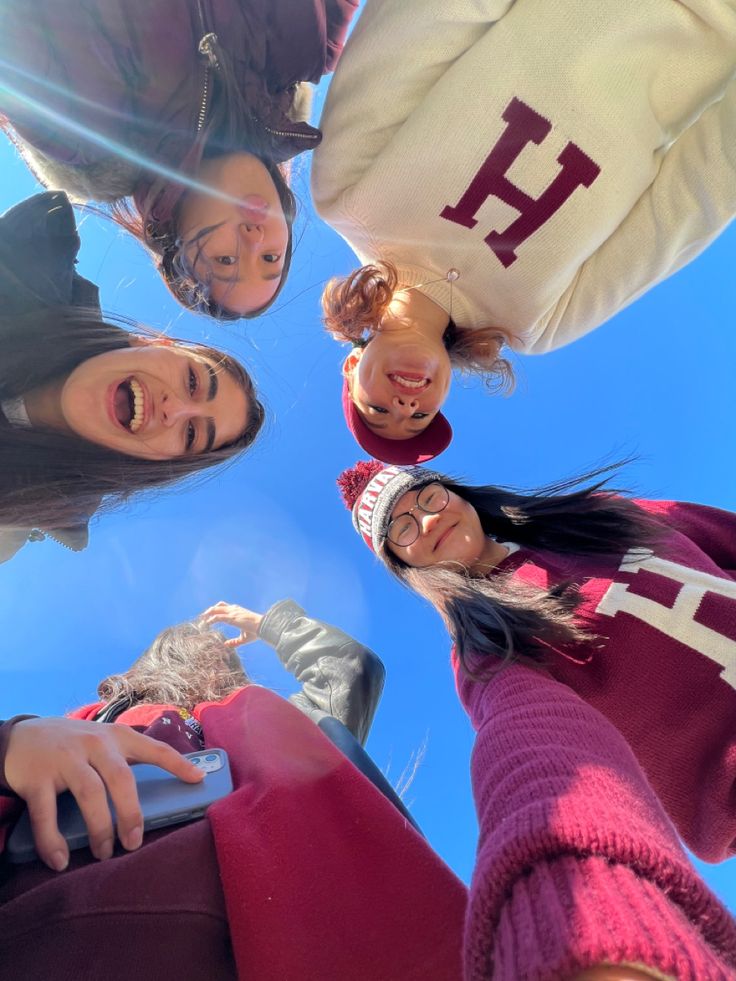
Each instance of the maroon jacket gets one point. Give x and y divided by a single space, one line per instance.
304 871
133 70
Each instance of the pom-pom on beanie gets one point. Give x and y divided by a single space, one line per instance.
370 490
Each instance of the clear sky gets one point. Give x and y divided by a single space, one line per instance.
656 381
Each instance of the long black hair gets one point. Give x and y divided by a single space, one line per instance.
50 479
494 619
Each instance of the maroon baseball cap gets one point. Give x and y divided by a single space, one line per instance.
420 448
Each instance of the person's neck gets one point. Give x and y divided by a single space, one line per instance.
493 553
409 308
43 405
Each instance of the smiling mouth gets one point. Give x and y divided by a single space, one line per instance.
443 536
409 382
129 405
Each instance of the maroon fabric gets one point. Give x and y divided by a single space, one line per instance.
577 862
152 914
309 850
131 71
675 703
418 449
322 877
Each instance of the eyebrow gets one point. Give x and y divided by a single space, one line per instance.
214 384
210 436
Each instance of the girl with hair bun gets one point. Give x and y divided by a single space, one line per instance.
180 117
594 654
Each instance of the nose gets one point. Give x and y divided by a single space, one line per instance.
251 235
429 522
173 409
404 406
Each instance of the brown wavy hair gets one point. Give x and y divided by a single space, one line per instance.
185 665
354 305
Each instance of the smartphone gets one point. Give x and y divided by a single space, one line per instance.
164 799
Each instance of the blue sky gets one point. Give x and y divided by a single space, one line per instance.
656 381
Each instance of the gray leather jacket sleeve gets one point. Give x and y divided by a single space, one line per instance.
339 677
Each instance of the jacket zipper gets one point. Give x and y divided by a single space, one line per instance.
291 136
40 535
206 47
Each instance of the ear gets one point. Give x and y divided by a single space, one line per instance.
351 362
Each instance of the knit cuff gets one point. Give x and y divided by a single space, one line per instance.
571 914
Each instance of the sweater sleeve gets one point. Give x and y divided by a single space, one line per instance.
689 203
339 676
396 53
577 863
713 530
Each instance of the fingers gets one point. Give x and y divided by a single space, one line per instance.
121 786
221 612
237 641
50 844
89 792
142 749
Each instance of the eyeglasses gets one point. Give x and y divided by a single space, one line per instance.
404 528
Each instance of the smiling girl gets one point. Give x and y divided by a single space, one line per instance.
593 644
512 174
180 117
91 411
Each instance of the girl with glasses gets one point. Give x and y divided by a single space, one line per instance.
595 653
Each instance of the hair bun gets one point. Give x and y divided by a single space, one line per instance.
353 481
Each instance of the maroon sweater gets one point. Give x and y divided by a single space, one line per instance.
577 861
663 666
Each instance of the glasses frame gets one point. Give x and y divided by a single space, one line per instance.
418 507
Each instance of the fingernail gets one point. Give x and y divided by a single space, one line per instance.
134 839
59 861
104 850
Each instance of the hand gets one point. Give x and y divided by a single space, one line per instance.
46 756
246 621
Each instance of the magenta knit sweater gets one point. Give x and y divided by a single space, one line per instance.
577 862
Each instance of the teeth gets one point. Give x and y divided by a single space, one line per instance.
409 382
136 420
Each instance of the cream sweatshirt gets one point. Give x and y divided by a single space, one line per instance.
564 157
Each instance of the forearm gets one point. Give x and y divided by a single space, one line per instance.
339 676
575 849
689 203
396 53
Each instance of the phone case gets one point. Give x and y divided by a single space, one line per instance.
164 799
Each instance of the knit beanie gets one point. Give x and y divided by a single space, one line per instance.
370 490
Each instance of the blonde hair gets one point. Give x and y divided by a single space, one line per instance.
353 306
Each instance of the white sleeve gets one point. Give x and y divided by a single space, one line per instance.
396 53
689 203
